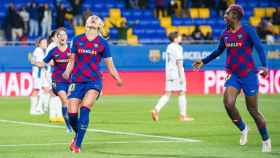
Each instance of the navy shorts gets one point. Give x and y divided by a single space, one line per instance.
249 84
60 86
78 90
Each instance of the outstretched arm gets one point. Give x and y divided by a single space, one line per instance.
199 63
112 70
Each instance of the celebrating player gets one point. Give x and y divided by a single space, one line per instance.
175 78
55 105
242 73
60 56
87 51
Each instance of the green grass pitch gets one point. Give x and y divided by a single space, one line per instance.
121 127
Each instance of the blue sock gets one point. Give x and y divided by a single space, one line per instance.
264 133
73 120
66 118
239 124
83 124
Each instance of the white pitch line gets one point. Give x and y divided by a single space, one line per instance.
104 131
108 142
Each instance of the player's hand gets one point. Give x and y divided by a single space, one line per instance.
119 82
263 71
30 58
181 81
66 75
197 64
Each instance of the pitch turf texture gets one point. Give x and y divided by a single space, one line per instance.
121 127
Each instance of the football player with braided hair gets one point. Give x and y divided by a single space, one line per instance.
239 40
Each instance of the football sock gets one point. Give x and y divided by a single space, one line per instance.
73 120
82 125
33 104
162 102
239 124
182 105
66 117
263 131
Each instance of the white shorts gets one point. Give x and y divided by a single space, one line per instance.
37 83
175 85
46 80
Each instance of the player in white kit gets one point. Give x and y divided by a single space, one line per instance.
175 78
36 107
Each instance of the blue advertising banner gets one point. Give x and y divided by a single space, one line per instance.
137 58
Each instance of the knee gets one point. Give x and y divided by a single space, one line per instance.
229 103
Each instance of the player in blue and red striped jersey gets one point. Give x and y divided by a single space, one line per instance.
88 50
239 39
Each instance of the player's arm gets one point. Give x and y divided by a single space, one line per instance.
179 63
34 59
258 45
71 62
108 60
197 64
112 70
69 67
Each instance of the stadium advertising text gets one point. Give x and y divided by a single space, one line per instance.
198 82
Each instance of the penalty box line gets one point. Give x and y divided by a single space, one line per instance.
104 131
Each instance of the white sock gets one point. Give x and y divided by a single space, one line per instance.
182 105
39 106
33 104
52 107
45 97
58 107
162 102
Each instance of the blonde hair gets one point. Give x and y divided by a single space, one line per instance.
100 24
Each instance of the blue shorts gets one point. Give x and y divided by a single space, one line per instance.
78 90
249 84
60 86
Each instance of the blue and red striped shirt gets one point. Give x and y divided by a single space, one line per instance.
60 59
239 50
88 55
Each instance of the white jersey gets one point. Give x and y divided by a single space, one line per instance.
37 72
174 52
38 56
47 78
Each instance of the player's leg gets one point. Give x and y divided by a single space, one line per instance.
233 87
230 96
250 87
75 96
160 104
34 101
252 106
85 106
63 97
45 97
183 107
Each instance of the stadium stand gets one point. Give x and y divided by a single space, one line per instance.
145 27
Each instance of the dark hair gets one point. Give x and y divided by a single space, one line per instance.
39 40
237 10
173 35
50 40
